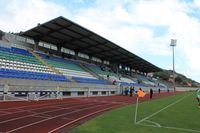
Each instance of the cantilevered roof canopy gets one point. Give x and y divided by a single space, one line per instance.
65 33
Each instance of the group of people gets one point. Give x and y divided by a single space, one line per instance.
132 91
151 92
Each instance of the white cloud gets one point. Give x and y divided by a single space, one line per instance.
132 29
17 15
113 25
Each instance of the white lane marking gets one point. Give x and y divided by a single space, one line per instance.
173 128
58 128
50 119
39 116
37 105
65 118
38 108
155 123
183 129
147 125
33 114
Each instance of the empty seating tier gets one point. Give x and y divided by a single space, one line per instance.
20 63
8 73
89 80
22 60
67 67
112 76
72 69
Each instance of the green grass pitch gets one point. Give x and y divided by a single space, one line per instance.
176 114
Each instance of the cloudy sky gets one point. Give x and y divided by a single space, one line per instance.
144 27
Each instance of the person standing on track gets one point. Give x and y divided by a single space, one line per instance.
126 91
198 97
131 91
151 93
159 90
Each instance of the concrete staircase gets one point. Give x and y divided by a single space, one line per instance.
129 77
93 73
45 63
90 71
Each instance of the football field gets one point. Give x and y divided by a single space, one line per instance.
174 114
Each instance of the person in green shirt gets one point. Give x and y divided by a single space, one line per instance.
198 96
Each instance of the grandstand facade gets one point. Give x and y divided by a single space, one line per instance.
62 59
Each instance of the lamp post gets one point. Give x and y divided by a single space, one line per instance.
173 44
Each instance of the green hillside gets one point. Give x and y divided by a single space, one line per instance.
180 79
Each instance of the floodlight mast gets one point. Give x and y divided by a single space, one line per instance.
173 44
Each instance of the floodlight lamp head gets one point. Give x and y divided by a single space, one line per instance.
173 42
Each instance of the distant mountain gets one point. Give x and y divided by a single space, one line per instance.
180 79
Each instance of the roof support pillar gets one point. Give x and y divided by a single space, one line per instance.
116 68
36 44
1 34
130 71
59 50
76 55
90 59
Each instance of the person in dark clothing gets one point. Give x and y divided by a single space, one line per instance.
1 34
114 82
131 91
151 93
108 76
159 90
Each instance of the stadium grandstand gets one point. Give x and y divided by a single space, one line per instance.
63 59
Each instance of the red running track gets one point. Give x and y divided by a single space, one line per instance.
58 115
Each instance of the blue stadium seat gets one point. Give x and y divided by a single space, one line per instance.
16 50
88 80
9 73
